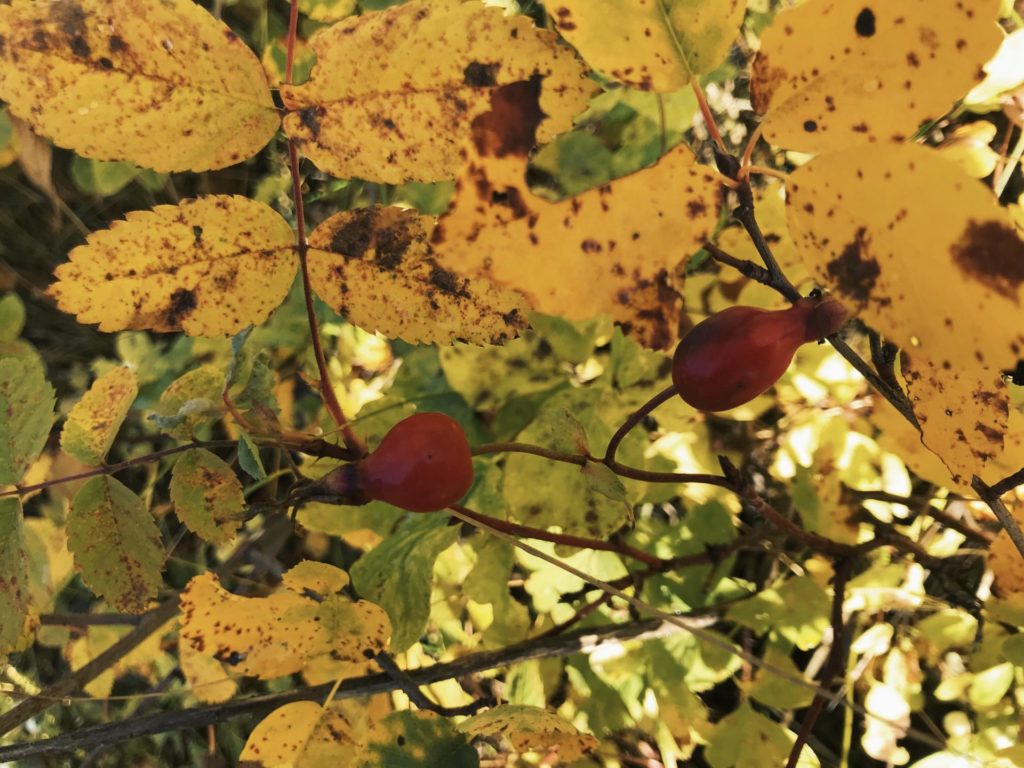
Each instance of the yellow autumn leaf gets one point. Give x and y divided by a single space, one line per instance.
375 267
207 678
531 729
609 250
1003 557
279 634
918 250
968 146
302 733
840 73
393 93
209 266
158 83
93 422
657 45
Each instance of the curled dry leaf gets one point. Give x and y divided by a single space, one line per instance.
854 72
159 83
375 266
609 250
393 93
207 267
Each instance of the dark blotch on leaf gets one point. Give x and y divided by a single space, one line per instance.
511 199
810 126
480 75
392 243
865 23
183 301
116 44
511 125
311 117
447 282
992 253
855 274
79 47
354 238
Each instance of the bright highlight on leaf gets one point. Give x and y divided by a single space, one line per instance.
207 267
207 496
116 544
93 423
280 634
656 45
374 266
158 83
26 413
394 92
531 729
610 250
838 73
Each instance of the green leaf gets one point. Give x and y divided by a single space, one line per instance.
93 422
116 544
192 400
16 619
99 177
798 610
397 574
777 691
1013 649
601 479
747 738
207 496
12 317
949 628
249 457
417 740
989 687
26 415
488 583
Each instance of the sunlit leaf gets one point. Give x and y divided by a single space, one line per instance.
159 83
26 413
620 242
93 422
116 544
747 738
206 677
411 118
209 267
657 45
831 75
531 729
207 496
301 733
374 266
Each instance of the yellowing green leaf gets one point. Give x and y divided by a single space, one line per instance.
93 422
747 739
26 413
372 110
852 72
191 400
301 733
609 250
775 690
116 544
328 10
207 496
159 83
531 729
17 619
375 267
209 267
206 677
658 45
12 317
415 740
50 564
279 634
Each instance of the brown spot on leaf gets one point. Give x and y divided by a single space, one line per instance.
447 281
854 273
354 238
392 243
511 199
865 23
477 74
311 117
183 302
992 253
510 127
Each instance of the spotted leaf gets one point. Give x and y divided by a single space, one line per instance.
94 420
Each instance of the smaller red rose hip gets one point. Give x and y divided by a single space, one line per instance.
736 354
423 464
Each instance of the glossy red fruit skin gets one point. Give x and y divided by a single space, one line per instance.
423 464
733 356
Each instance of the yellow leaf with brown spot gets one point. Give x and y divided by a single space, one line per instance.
207 267
302 733
393 93
207 496
921 252
375 267
207 678
657 46
279 634
531 729
93 422
838 73
609 250
158 83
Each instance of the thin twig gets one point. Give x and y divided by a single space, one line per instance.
410 688
743 266
987 494
635 418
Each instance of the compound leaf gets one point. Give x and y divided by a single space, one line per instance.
208 267
158 83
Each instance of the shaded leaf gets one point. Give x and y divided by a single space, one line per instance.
411 118
853 72
116 544
530 729
658 45
249 457
159 83
93 422
17 619
620 242
374 266
192 400
747 738
208 267
415 740
207 496
26 413
12 317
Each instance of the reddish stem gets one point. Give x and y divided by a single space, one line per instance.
709 119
